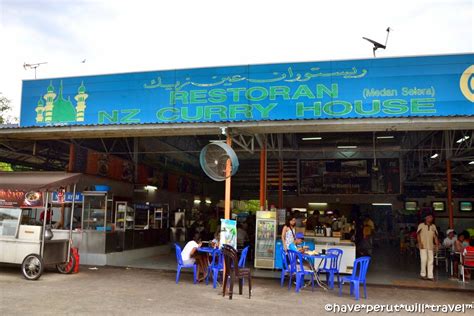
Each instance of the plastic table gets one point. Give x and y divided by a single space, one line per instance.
209 250
310 259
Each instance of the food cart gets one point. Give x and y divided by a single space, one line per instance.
32 246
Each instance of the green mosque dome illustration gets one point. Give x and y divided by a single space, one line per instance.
63 110
58 109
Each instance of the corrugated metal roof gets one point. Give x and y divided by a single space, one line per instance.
15 126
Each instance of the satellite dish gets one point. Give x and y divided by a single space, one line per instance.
377 45
213 159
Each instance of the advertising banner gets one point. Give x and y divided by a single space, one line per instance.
11 198
228 232
366 88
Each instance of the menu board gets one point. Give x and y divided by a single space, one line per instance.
358 176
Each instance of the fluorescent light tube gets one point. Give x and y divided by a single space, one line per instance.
463 139
312 138
347 147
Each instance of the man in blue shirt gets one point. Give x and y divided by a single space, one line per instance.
299 237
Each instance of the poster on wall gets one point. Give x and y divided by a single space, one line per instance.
228 232
10 198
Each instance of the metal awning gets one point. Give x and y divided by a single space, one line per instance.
250 127
37 181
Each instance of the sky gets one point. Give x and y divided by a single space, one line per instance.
115 36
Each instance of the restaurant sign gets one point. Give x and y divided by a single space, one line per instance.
66 197
13 198
367 88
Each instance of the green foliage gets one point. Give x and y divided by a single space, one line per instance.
5 166
4 108
250 206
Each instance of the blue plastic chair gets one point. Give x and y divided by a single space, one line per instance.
216 266
285 268
181 265
297 267
331 266
243 257
359 272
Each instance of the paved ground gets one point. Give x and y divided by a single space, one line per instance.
120 291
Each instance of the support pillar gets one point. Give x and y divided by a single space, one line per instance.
135 159
72 154
450 194
280 183
228 170
263 174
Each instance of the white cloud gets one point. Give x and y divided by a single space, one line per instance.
124 36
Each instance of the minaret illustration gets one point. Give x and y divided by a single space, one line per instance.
39 111
81 102
49 97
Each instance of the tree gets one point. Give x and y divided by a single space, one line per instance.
5 107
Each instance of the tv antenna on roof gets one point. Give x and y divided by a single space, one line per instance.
377 45
33 66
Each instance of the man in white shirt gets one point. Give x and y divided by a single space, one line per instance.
189 251
449 241
190 255
427 242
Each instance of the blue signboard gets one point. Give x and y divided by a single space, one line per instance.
368 88
68 197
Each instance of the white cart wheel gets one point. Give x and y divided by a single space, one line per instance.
32 267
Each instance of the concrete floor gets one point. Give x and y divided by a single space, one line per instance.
122 291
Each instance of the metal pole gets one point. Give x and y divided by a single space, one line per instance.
450 194
263 180
280 183
44 222
71 220
227 183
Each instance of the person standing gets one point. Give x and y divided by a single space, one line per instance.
288 233
427 236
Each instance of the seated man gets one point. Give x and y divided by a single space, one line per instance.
295 245
190 255
450 239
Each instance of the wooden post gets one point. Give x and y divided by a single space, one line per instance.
280 183
263 174
228 170
70 166
450 194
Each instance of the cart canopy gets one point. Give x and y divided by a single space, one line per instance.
37 180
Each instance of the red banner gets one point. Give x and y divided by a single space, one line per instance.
10 198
